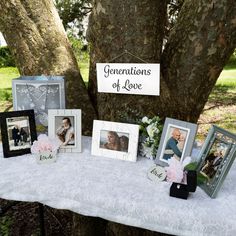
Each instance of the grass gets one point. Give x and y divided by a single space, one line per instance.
220 108
84 70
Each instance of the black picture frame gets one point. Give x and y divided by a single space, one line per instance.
17 146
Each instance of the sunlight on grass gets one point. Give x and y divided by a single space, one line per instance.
227 77
84 70
6 75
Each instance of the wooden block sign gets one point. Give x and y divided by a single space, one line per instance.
140 79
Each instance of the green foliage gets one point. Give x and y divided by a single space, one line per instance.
81 52
200 177
150 133
6 58
5 95
5 225
72 13
191 166
79 48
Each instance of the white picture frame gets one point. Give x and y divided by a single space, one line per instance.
70 138
124 149
183 143
129 78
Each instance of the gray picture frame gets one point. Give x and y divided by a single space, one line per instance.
187 128
211 183
39 93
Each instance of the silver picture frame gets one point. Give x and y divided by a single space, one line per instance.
215 159
39 93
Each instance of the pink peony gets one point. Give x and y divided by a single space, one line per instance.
44 143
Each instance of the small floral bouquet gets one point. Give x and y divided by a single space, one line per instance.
45 148
150 134
177 171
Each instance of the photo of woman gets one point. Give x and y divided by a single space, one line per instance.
65 130
115 141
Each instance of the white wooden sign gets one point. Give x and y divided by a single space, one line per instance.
140 79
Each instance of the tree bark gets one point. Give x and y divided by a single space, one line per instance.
135 26
197 49
37 39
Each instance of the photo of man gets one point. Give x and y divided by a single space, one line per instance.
174 143
18 133
213 159
65 130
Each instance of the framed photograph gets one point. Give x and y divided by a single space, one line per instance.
115 140
39 93
176 141
216 158
65 125
18 132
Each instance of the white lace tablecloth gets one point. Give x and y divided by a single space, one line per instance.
118 191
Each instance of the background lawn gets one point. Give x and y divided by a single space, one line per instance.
219 110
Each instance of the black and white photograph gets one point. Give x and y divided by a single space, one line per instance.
18 132
115 140
112 140
65 126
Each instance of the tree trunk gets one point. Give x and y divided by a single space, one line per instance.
197 49
135 26
37 39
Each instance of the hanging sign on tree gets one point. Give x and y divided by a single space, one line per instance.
129 78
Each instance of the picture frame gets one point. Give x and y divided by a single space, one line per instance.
115 140
215 159
65 125
18 132
39 93
176 140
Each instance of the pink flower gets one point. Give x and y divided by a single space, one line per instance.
44 144
175 171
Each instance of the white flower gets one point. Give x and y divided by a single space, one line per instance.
151 129
145 120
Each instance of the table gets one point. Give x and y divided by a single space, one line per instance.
118 191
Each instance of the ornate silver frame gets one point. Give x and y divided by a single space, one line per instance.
212 185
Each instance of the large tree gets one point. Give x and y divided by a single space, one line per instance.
37 39
198 47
